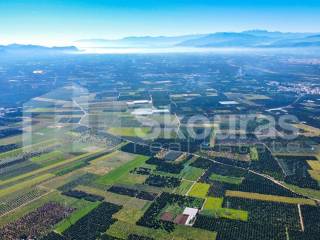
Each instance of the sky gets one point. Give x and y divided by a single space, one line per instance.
60 22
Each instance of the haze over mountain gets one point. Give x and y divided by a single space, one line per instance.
252 38
20 49
246 39
143 41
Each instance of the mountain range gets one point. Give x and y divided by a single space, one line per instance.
251 39
246 39
28 50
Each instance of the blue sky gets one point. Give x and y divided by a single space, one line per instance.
54 22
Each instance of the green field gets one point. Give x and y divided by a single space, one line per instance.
129 215
132 179
254 156
192 173
213 207
213 203
48 158
130 132
25 184
226 179
116 174
199 190
184 187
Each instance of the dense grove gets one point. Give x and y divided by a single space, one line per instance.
202 163
188 145
141 171
238 230
37 223
83 195
225 170
139 149
239 149
251 183
4 133
124 191
276 215
311 218
163 181
232 162
296 168
133 193
53 236
164 166
81 180
267 164
93 224
9 147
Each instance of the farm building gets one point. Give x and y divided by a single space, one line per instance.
192 213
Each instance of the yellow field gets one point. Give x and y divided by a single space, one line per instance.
315 175
315 165
270 198
307 130
199 190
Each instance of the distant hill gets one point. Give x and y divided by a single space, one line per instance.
309 41
146 41
251 38
35 49
255 39
227 40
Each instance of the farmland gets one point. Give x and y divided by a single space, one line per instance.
225 179
270 198
121 171
79 160
213 207
199 190
130 132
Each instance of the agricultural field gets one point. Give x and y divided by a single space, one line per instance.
192 173
213 207
315 165
199 190
270 198
226 179
307 130
184 187
83 210
122 171
130 132
77 162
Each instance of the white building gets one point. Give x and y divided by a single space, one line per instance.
192 213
